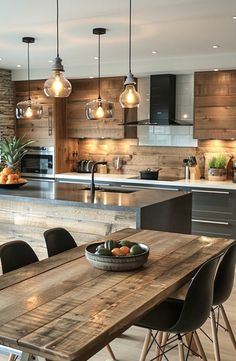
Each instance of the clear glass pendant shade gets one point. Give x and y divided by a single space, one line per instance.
57 85
99 109
28 110
130 98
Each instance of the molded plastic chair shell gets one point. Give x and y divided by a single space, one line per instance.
224 280
180 316
16 254
58 240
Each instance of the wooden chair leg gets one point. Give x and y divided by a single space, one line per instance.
159 341
227 324
215 337
181 349
109 349
12 357
191 343
164 341
145 345
199 346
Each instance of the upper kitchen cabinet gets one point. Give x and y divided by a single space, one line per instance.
215 105
42 131
85 90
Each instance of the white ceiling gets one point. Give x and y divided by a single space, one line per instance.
182 31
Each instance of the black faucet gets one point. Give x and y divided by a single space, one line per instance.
92 186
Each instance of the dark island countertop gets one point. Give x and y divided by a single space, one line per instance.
74 194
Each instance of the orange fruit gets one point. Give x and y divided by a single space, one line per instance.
117 252
7 171
124 249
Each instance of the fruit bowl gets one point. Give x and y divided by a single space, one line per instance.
12 186
116 263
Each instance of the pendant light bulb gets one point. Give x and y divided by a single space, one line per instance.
130 98
28 109
57 86
99 108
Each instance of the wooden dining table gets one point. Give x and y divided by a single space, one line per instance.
63 309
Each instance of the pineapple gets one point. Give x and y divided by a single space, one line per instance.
12 150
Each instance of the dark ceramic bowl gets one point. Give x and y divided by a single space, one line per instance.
116 263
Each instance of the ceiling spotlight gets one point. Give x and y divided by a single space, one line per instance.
215 46
18 66
50 61
234 17
216 69
91 77
0 59
154 52
95 58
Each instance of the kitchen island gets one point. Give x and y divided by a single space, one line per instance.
28 211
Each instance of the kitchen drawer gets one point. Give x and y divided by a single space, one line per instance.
211 228
215 201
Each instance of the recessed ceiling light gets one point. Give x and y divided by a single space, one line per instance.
91 77
95 58
185 116
0 59
154 52
216 69
50 61
215 46
234 17
18 66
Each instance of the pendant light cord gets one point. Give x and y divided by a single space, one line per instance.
28 73
130 36
99 67
57 29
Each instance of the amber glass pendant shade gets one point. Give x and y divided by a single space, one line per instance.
130 98
96 109
99 108
27 109
57 86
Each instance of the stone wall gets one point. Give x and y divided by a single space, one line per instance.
7 104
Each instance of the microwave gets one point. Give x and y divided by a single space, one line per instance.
38 162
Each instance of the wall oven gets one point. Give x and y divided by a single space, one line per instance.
38 163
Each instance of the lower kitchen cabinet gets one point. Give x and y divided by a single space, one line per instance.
214 213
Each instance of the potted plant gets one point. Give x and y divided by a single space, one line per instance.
12 149
217 170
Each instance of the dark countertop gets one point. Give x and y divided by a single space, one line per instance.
73 194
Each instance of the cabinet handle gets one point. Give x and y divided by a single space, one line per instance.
143 187
211 222
216 192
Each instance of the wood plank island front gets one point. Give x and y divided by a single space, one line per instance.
27 212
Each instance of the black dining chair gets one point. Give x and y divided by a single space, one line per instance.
59 240
222 289
14 255
180 317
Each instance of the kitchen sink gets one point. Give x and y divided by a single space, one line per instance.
112 189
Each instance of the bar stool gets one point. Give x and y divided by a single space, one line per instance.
59 240
179 317
14 255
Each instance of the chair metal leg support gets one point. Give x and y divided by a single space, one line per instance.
214 336
181 348
108 347
145 345
164 341
199 346
229 329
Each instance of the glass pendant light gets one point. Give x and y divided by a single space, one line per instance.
28 109
57 85
130 98
99 108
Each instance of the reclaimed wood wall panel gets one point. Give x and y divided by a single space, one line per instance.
85 90
42 131
215 105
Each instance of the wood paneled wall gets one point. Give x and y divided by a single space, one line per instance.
7 104
42 131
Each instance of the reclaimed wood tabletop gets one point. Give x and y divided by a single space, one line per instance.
63 309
